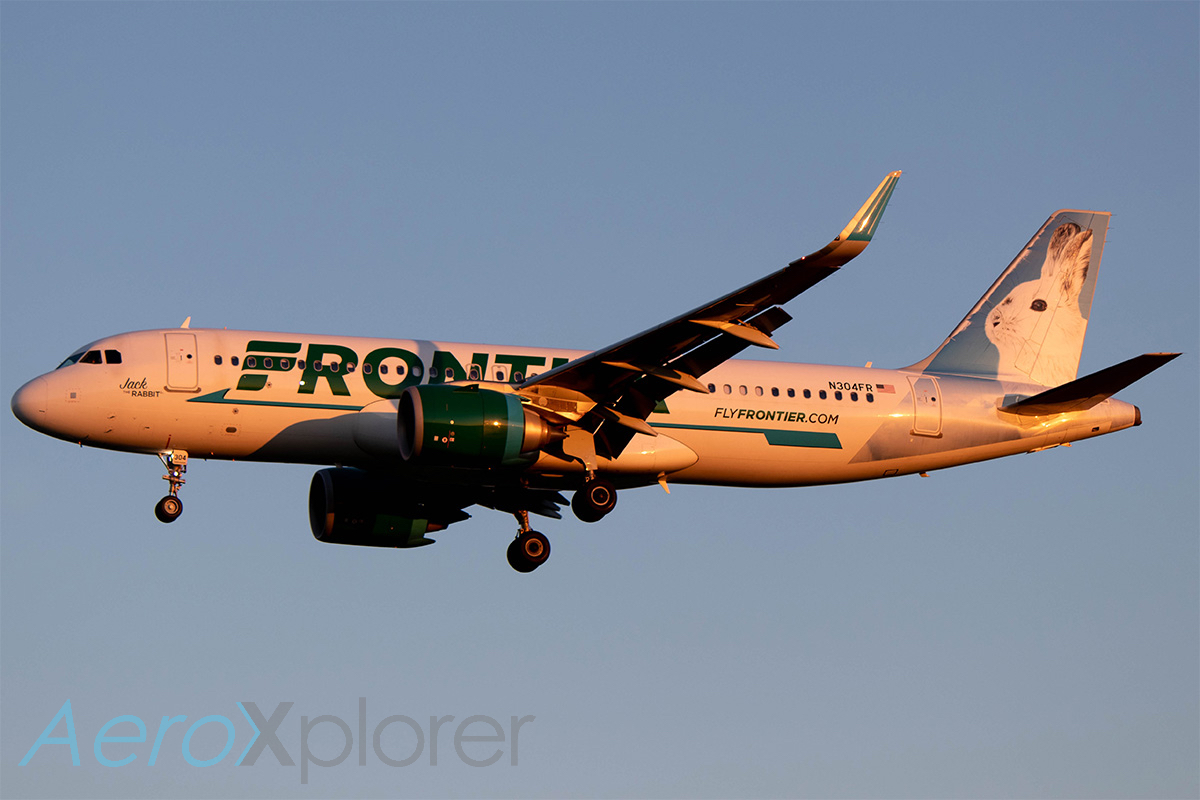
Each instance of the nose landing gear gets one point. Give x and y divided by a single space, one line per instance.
170 507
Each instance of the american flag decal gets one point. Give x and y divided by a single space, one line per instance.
885 388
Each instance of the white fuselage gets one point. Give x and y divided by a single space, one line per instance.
267 396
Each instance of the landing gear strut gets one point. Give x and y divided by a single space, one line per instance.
594 500
530 549
170 507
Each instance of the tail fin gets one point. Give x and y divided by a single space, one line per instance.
1030 325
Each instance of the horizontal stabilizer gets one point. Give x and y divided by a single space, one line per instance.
1089 390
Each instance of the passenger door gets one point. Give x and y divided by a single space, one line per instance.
927 407
182 366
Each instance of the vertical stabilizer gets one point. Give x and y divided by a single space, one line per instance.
1031 324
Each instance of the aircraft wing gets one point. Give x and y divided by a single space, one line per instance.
621 384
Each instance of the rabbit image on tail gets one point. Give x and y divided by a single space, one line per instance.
1038 327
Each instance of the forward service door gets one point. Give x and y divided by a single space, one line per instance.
182 366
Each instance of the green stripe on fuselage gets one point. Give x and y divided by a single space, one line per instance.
775 438
219 397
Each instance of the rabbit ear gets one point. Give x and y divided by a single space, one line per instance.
1062 261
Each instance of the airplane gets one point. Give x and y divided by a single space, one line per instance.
418 431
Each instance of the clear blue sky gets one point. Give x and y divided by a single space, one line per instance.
570 174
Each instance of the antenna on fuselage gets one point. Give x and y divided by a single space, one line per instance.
186 322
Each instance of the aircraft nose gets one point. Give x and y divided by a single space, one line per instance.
29 403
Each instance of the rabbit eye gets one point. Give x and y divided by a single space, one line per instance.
1038 305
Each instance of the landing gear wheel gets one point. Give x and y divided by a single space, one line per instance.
168 509
528 551
594 500
516 560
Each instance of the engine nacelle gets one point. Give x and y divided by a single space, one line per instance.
349 506
466 426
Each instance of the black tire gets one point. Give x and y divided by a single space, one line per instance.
528 551
168 509
583 511
594 500
516 558
535 547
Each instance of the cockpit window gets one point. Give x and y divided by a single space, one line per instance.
91 357
71 359
112 356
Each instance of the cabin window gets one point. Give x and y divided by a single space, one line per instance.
367 369
90 357
791 392
268 363
112 356
870 397
350 367
712 387
251 362
233 360
316 366
416 370
285 363
807 394
474 372
400 370
822 394
518 377
383 369
854 396
837 395
499 374
217 360
432 372
449 373
742 389
758 391
774 391
299 363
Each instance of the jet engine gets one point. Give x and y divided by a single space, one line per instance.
466 426
349 506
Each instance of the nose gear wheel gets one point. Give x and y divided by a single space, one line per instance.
170 507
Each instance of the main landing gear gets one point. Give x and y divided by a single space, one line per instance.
530 549
594 500
170 507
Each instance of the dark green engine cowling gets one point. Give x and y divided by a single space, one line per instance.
465 426
350 506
